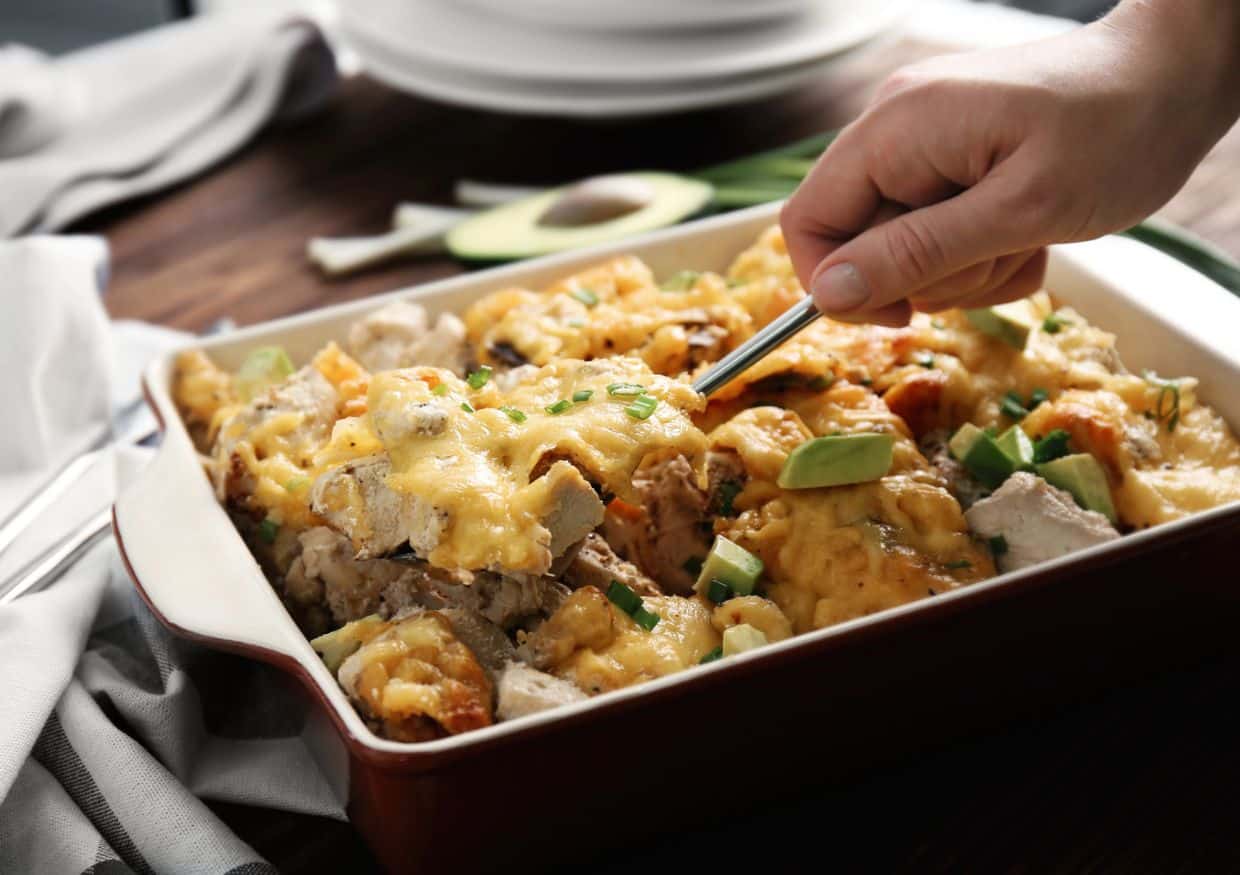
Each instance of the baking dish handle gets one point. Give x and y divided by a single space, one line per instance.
188 563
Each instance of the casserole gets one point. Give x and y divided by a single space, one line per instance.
820 704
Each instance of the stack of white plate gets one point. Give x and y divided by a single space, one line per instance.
606 58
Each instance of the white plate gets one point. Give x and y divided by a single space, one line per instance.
579 101
640 14
464 40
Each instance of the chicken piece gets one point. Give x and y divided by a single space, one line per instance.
267 446
326 571
525 690
398 335
356 500
504 601
597 565
598 647
670 529
415 681
1038 521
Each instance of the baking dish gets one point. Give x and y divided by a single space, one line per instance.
546 787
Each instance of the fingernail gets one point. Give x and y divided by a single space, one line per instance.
840 288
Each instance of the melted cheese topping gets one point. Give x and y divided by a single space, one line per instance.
481 468
842 552
599 647
613 309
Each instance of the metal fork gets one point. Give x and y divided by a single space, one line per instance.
775 334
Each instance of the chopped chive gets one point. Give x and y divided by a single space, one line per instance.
680 282
998 545
296 483
1011 406
582 395
728 490
818 384
959 563
642 406
623 597
585 296
268 529
477 379
1036 397
1167 404
711 656
646 619
718 591
991 430
467 407
1053 323
866 381
440 389
559 406
693 565
513 413
624 390
926 360
1051 447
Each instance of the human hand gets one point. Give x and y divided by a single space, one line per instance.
947 190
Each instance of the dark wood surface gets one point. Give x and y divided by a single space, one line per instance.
1140 780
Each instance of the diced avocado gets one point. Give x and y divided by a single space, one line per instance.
981 456
1016 444
521 229
837 460
1011 323
263 367
1082 475
962 441
742 637
337 646
731 564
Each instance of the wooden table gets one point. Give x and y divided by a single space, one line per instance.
1143 780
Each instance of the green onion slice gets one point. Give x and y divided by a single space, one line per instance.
467 407
642 406
625 390
585 296
513 413
1051 447
268 529
440 389
711 656
477 379
680 282
582 395
1037 397
1053 323
646 619
623 597
1011 406
559 406
718 591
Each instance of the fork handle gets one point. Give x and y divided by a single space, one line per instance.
735 363
49 565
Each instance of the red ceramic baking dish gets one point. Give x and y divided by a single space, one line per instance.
544 789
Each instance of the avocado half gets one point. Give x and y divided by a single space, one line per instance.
518 230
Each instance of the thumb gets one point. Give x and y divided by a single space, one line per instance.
890 261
